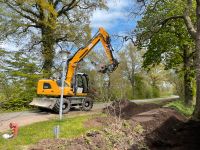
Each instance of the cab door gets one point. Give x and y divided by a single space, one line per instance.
81 84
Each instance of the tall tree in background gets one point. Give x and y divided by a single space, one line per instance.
192 22
172 45
131 61
47 22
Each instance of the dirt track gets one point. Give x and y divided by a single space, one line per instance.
28 117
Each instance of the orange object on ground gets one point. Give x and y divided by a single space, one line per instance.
14 127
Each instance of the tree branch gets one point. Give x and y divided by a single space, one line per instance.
188 20
87 6
64 38
20 13
68 7
169 19
34 44
56 3
70 20
151 33
29 11
19 4
27 26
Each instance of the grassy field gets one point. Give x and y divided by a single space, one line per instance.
70 127
180 107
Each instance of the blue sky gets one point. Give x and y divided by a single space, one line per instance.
116 20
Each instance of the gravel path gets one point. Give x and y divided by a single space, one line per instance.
29 117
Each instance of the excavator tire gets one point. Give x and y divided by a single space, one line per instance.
87 104
66 106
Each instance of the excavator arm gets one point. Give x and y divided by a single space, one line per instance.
103 37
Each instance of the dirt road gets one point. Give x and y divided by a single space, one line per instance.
28 117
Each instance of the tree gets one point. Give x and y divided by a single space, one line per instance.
192 23
172 46
143 83
47 23
131 61
19 78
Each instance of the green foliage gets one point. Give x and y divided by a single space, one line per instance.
18 80
69 128
181 107
166 38
168 42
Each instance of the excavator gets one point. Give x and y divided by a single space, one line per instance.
76 84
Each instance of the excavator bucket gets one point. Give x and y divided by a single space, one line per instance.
109 68
44 102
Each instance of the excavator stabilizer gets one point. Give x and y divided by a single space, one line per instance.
44 102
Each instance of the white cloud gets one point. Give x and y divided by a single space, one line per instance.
108 18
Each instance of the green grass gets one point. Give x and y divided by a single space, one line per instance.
69 128
181 107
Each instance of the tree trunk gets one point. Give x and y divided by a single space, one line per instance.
133 89
108 90
188 96
196 113
187 89
48 51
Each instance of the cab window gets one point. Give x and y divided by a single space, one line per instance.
46 86
79 81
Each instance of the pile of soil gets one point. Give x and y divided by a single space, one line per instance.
147 126
175 134
90 141
153 119
164 128
126 109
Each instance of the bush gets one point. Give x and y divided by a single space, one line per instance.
18 98
181 107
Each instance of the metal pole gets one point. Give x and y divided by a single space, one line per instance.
62 89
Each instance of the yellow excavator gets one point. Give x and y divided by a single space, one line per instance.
76 84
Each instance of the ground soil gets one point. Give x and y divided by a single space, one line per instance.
175 134
127 109
159 128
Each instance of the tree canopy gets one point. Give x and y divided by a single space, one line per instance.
44 25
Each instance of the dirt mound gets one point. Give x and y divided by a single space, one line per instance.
164 128
141 127
93 140
155 118
174 134
126 109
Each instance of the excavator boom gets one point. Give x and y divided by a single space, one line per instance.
101 36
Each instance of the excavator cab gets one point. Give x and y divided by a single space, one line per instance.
81 83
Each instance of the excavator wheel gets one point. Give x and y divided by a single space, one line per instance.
87 104
66 106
